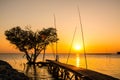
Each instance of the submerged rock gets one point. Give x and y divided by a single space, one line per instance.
8 73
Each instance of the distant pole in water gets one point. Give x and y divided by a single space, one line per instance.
56 35
71 45
82 37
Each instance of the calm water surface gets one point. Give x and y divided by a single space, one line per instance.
107 64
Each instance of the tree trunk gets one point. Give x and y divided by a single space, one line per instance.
28 57
44 54
35 55
34 58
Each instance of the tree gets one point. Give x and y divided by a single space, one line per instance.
27 41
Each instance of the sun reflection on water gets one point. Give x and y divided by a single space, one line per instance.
77 60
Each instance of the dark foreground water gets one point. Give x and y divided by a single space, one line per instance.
107 64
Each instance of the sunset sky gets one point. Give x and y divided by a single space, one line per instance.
100 20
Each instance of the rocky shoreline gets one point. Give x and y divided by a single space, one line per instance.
8 73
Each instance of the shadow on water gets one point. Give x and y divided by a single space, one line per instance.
37 73
30 71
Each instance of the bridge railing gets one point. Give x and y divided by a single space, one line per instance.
64 71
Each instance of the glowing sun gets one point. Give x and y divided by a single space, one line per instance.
77 47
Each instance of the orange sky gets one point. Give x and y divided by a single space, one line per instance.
100 19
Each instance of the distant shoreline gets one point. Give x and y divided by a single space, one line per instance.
76 53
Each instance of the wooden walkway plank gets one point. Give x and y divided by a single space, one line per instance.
86 73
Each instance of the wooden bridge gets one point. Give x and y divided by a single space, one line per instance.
62 71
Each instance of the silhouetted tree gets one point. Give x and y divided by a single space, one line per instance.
27 40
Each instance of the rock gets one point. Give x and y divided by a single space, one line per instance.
5 63
8 73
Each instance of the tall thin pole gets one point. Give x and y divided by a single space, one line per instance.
71 45
55 28
82 37
44 53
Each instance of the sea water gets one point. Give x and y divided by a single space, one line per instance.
107 64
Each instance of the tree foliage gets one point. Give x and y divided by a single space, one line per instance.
27 40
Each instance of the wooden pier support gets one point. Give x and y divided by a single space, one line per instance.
64 71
